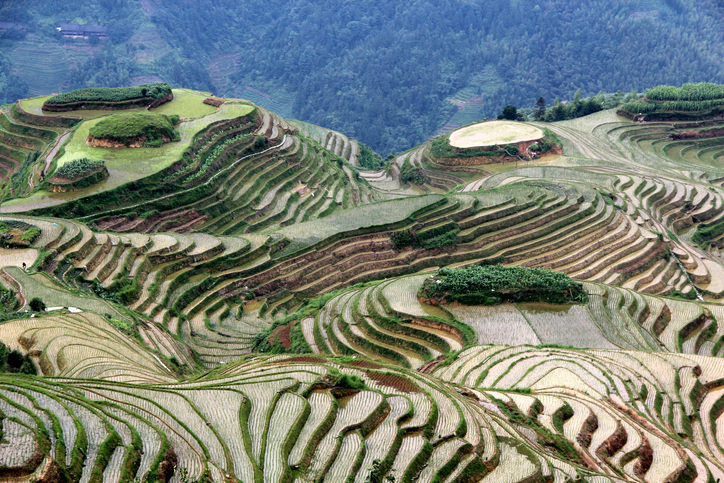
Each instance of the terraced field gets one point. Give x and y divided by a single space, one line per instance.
247 310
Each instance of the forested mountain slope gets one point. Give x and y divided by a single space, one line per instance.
384 73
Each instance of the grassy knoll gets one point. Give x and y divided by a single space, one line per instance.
494 133
187 104
134 127
124 165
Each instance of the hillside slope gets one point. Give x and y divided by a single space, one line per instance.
244 304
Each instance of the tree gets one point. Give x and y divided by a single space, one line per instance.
36 305
510 113
376 474
557 112
540 109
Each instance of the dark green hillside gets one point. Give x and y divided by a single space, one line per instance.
382 73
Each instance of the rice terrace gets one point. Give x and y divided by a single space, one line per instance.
195 289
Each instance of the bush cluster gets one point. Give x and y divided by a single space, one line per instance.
692 97
130 125
412 174
78 168
437 237
17 234
112 94
15 362
493 284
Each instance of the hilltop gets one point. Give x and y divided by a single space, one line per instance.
538 302
444 65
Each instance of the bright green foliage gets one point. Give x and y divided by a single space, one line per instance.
699 91
369 159
491 284
78 168
122 127
692 97
8 301
211 157
112 94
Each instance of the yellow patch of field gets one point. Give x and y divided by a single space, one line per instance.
186 104
14 257
494 132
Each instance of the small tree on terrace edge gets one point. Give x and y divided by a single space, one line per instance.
540 109
510 113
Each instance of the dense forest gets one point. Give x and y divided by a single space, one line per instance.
384 72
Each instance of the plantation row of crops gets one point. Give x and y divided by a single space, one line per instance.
285 418
21 147
688 92
689 98
155 338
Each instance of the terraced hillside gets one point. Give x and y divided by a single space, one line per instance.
243 305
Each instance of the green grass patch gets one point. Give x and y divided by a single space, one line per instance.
185 104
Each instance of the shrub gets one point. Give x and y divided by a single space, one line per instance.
404 238
369 159
412 174
15 362
36 305
78 168
30 235
131 125
112 94
492 284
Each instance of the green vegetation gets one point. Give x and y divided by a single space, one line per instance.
440 148
15 362
495 284
112 94
203 282
693 99
8 300
437 237
369 159
36 305
17 234
153 129
79 168
412 174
